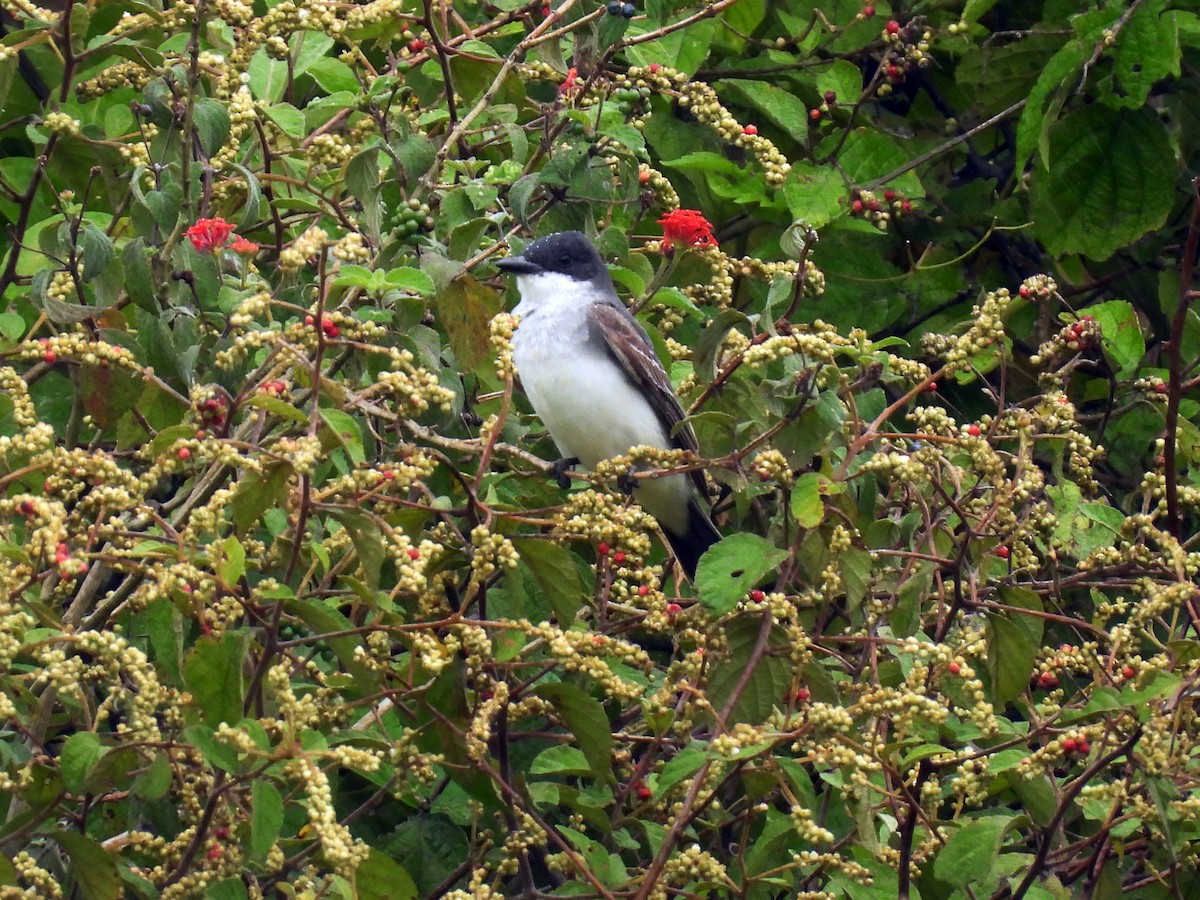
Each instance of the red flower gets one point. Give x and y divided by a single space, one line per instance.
570 85
209 234
243 247
687 227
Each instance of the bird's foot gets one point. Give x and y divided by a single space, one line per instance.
559 469
626 482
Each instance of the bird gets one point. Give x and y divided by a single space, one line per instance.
592 376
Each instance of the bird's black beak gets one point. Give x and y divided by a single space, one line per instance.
518 265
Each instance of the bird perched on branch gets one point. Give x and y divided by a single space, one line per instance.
592 375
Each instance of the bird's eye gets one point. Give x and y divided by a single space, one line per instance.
564 261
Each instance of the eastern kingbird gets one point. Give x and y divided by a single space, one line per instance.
592 375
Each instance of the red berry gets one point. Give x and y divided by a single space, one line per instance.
802 695
416 45
873 205
831 97
1083 747
1161 387
892 27
1003 552
414 553
602 548
1069 745
954 668
974 430
815 114
857 206
1088 319
673 609
905 206
330 327
388 474
894 73
1048 680
757 596
643 590
61 553
619 557
1024 292
215 851
220 832
653 67
644 793
931 387
308 320
750 130
49 357
27 509
643 177
868 12
889 195
184 453
1128 672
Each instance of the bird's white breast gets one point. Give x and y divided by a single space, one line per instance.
583 396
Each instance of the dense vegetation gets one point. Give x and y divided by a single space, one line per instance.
292 604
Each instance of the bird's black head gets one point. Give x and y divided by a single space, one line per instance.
567 253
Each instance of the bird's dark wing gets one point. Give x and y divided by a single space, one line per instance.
613 327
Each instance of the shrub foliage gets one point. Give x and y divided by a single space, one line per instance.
291 603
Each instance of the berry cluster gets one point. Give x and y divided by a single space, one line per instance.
411 220
907 48
1076 336
867 205
625 10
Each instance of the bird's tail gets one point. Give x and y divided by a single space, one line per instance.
701 534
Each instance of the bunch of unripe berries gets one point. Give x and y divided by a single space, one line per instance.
631 99
411 219
625 10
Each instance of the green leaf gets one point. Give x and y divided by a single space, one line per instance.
92 868
266 818
214 674
971 852
218 754
414 281
561 760
289 119
682 765
1120 334
730 568
259 491
321 619
432 846
226 889
12 325
782 107
1057 76
1147 51
139 279
155 780
843 78
1105 187
815 195
584 715
333 75
233 562
96 249
79 755
869 155
557 577
250 211
808 499
762 687
368 543
1013 643
465 307
211 120
382 878
340 429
